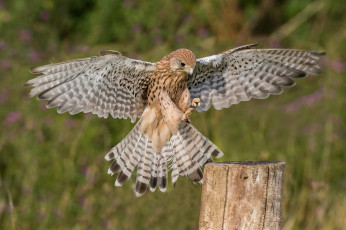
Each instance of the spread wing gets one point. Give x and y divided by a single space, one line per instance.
106 84
243 73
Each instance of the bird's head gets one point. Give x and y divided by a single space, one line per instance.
182 60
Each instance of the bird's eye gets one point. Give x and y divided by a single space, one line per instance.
182 64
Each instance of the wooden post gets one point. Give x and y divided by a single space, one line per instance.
242 195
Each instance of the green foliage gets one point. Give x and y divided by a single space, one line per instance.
52 167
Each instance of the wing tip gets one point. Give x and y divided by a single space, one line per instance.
110 172
43 96
29 83
37 69
300 74
32 94
243 47
318 53
248 46
109 156
253 45
109 52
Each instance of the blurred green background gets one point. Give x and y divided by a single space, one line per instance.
52 167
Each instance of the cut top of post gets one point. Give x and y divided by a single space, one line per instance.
248 163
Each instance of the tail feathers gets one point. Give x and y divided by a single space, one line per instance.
191 152
129 159
197 176
126 156
182 162
175 172
122 145
185 153
154 173
144 169
164 158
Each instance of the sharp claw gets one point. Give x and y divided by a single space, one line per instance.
196 102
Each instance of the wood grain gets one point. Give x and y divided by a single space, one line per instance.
242 195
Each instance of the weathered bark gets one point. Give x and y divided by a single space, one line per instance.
242 195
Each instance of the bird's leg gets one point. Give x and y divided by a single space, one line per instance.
171 113
194 104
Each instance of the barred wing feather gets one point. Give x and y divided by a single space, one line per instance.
106 84
243 73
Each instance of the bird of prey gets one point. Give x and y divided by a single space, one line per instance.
163 95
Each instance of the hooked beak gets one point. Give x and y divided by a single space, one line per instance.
190 71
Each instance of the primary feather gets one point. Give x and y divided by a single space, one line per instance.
243 73
103 85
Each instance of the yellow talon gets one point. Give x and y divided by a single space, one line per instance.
196 102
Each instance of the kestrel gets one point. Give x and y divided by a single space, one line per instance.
163 95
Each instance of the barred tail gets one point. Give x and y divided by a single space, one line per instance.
185 153
191 151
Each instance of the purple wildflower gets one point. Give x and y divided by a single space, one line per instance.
186 18
84 170
34 56
155 30
318 185
4 95
69 123
40 136
157 39
303 101
338 66
25 35
44 15
82 201
13 117
179 38
134 55
136 28
3 45
203 32
5 64
106 224
85 48
128 3
275 43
